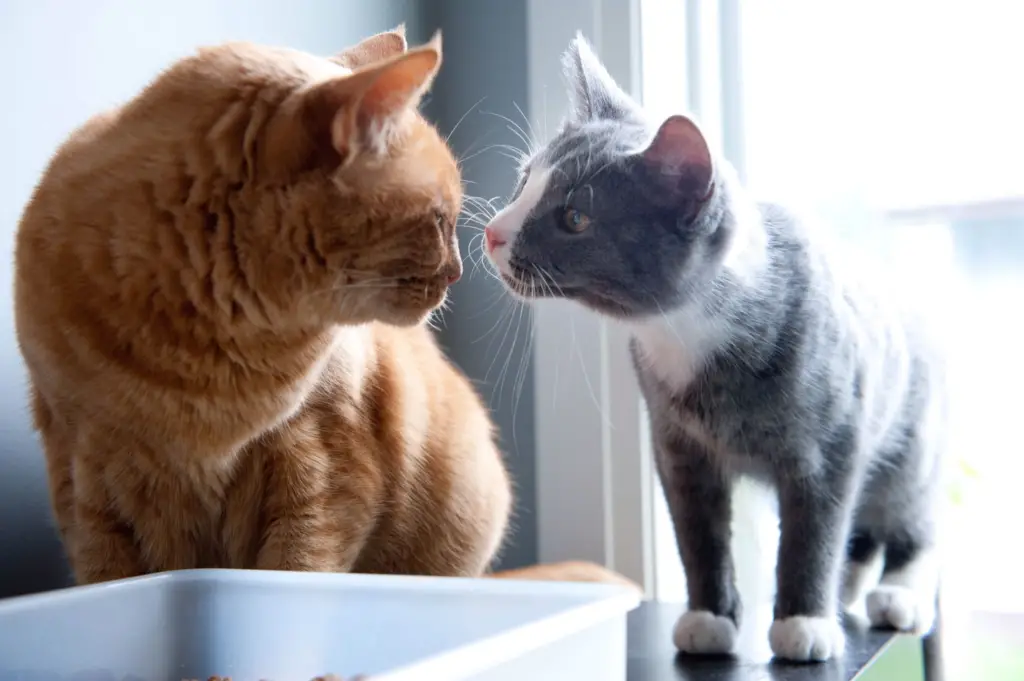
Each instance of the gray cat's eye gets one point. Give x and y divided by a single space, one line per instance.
575 221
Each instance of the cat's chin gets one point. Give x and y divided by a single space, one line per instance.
606 307
413 315
406 318
525 291
600 304
413 305
520 289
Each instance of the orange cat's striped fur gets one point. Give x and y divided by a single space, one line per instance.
220 295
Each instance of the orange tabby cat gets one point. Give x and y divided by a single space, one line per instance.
569 571
220 295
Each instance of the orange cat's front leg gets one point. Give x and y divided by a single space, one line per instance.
308 539
101 547
298 540
313 523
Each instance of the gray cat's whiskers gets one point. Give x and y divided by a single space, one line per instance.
490 331
521 374
477 219
496 297
516 129
529 125
509 317
455 127
520 312
510 150
575 349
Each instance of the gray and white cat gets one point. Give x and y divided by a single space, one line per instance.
755 356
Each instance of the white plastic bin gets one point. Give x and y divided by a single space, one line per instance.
277 626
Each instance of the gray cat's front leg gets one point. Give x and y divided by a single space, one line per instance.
814 515
699 494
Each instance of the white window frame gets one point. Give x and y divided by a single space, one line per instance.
594 478
596 483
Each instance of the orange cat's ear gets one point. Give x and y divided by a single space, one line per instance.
373 49
363 108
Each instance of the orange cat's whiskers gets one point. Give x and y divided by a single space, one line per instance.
380 284
435 319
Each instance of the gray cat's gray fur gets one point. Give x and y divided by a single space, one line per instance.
799 376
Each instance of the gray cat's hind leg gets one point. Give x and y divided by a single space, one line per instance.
900 511
892 580
905 597
865 555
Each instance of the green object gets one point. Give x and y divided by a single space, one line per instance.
901 660
987 653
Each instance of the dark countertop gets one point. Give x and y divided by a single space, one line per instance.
652 657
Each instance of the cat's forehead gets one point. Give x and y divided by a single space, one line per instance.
582 149
428 162
419 165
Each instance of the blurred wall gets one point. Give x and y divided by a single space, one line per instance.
482 82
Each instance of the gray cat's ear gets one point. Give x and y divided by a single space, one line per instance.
680 160
593 93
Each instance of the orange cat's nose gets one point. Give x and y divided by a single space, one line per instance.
454 272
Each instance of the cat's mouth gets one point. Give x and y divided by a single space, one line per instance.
526 286
421 282
523 287
605 305
532 287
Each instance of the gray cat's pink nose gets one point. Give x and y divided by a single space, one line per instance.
492 238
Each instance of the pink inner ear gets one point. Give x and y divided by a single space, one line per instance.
399 85
679 143
680 153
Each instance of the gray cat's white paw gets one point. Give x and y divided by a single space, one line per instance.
700 632
900 607
806 639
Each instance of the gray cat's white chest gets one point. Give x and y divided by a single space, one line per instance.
674 351
675 348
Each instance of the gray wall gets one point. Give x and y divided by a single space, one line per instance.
483 78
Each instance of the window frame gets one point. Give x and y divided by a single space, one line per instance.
594 470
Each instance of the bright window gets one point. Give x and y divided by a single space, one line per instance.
901 124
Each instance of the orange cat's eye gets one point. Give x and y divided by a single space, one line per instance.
575 221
